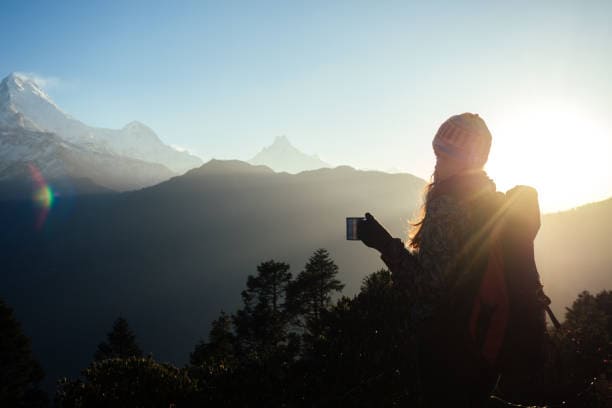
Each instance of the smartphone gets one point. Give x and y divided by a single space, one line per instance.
352 228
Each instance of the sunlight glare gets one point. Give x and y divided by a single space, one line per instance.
561 150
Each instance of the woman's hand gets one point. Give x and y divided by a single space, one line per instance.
374 235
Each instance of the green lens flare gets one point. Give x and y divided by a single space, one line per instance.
44 197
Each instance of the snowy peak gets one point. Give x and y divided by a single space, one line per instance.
281 155
281 141
20 86
22 95
24 104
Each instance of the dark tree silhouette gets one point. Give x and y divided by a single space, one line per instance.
127 382
20 373
311 292
577 355
219 352
365 354
586 325
120 343
604 303
262 324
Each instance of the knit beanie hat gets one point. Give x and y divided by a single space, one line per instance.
464 137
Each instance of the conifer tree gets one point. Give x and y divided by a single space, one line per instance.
261 325
20 373
120 343
219 352
587 324
364 353
311 292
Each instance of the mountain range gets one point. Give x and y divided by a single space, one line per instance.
77 158
35 131
170 257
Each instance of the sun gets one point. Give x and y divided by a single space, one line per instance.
562 150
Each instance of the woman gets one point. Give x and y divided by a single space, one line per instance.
461 146
449 248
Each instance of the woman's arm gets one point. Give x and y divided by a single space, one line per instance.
403 265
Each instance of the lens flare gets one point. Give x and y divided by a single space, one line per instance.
42 196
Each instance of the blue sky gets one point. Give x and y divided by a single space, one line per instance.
359 83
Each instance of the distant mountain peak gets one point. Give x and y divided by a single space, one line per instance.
281 155
17 84
25 105
281 141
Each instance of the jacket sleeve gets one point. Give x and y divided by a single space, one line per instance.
403 265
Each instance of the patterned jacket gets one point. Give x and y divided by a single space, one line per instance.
427 273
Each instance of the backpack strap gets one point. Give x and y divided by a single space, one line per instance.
491 308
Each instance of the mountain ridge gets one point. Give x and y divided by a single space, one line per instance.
21 97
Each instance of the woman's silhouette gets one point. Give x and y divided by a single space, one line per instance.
445 248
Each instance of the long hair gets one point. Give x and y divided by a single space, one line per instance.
467 183
414 236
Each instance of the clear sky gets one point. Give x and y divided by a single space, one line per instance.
360 83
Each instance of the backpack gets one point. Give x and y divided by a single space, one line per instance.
491 320
506 305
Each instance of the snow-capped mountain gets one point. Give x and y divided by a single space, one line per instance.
34 130
24 104
138 141
58 159
283 156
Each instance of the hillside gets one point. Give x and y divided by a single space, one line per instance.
170 257
573 252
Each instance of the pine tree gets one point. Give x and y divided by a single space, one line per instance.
219 352
20 373
364 354
311 292
587 324
120 343
604 303
261 325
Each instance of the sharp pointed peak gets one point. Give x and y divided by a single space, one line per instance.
21 83
14 79
281 140
21 78
15 76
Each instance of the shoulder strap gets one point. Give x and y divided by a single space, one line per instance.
491 307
